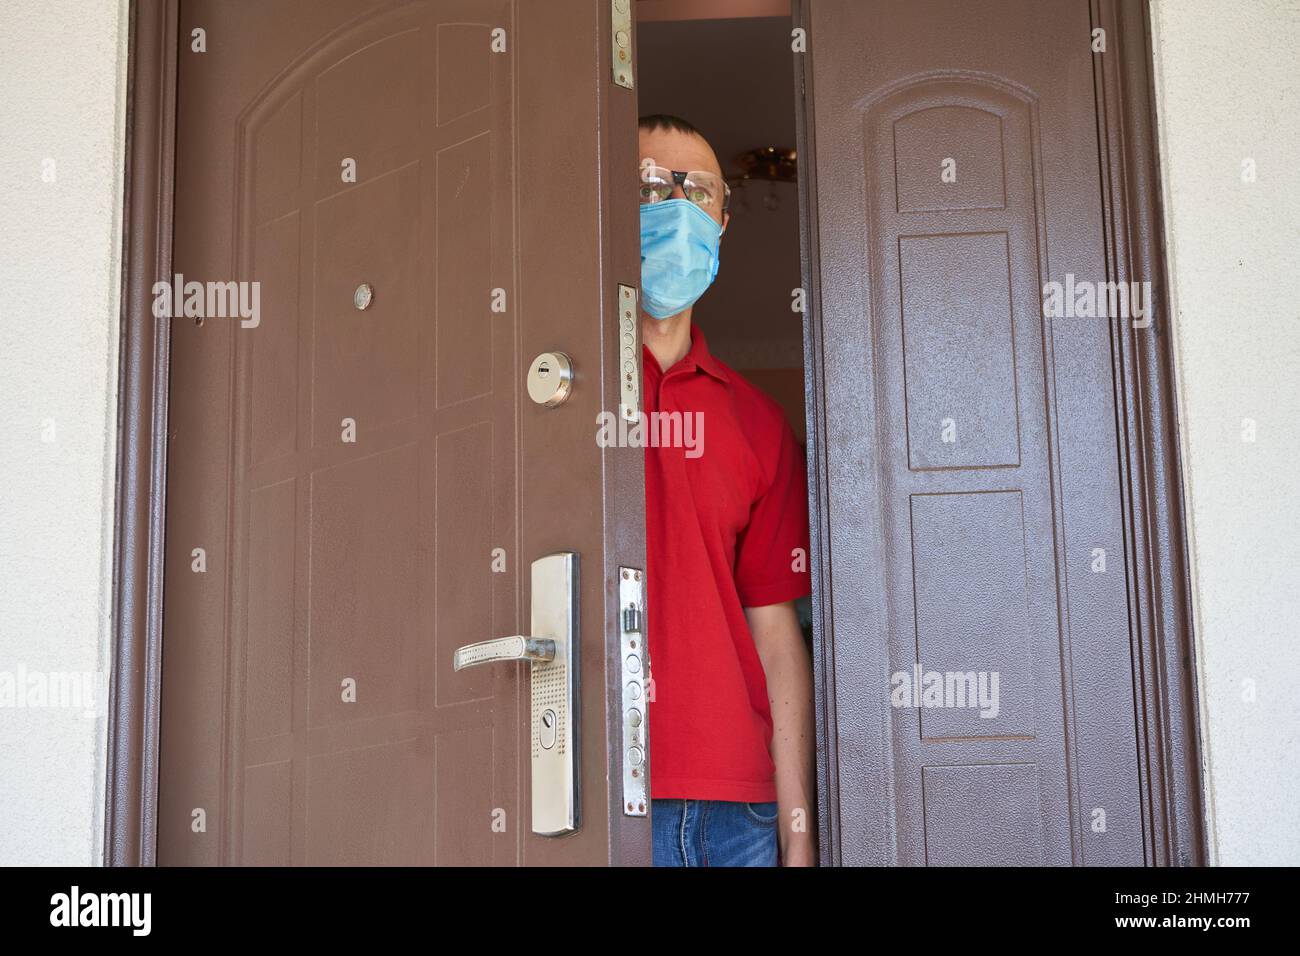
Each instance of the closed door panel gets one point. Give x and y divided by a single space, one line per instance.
357 481
983 661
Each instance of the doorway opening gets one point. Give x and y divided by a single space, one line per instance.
726 68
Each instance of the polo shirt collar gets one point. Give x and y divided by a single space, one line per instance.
703 358
697 358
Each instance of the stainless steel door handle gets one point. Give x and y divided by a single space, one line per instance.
520 647
552 652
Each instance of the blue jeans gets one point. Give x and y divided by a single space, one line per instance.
713 833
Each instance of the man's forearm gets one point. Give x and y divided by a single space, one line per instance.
794 749
788 671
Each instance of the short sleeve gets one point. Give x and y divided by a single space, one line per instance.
772 552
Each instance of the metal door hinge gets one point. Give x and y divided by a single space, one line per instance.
621 37
636 692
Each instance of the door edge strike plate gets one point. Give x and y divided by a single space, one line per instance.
621 38
629 356
636 696
551 649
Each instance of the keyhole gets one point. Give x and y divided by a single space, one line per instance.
543 370
546 732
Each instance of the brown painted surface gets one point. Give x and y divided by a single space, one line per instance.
979 553
130 804
330 561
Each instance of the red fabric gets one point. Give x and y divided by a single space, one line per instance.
723 520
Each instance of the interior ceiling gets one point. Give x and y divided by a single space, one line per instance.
733 79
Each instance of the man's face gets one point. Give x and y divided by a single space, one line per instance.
687 153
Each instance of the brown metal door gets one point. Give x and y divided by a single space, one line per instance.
974 514
369 486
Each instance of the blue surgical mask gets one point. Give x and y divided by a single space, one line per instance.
679 255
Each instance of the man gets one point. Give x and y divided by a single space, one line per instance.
732 738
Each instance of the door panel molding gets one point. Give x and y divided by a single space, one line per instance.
857 823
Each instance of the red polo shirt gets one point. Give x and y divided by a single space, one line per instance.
726 529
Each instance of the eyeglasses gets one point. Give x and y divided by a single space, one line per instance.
707 190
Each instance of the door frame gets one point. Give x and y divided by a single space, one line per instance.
1168 724
1159 591
135 668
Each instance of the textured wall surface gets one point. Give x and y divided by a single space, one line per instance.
62 90
1228 91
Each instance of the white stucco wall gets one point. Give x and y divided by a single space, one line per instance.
62 90
1228 91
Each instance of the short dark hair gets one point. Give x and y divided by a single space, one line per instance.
655 121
